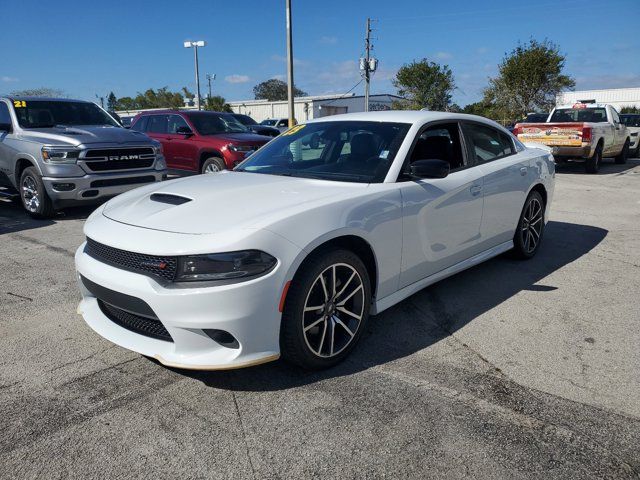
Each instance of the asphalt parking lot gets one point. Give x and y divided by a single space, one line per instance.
509 370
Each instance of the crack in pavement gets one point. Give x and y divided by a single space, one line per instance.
33 241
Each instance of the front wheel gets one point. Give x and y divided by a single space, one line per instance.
528 236
326 309
35 199
213 165
624 154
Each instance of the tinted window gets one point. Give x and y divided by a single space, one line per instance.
175 122
630 120
563 115
141 124
536 118
4 113
347 151
269 122
441 142
157 124
216 123
245 120
283 123
487 143
47 114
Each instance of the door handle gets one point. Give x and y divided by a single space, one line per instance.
523 171
475 190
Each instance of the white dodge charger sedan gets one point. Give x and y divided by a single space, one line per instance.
290 253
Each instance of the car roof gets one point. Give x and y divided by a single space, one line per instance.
184 112
45 99
405 116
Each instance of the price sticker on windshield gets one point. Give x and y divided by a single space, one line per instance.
19 103
293 130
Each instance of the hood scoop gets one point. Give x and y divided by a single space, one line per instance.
169 198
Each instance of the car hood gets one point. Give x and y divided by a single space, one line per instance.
216 203
85 135
241 138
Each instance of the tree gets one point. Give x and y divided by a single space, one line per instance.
630 110
112 102
150 98
274 89
217 103
424 84
40 92
529 79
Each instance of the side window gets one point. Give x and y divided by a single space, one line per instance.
283 123
175 122
487 143
441 142
141 124
4 113
615 116
157 124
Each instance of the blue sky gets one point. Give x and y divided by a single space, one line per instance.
88 48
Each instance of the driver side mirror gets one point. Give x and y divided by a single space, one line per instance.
5 127
186 131
431 168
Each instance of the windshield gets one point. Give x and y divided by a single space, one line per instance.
346 151
216 123
50 113
536 118
270 122
630 120
564 115
245 119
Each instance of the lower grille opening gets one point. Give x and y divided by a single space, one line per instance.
148 327
223 338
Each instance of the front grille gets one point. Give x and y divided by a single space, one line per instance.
158 266
107 159
113 182
148 327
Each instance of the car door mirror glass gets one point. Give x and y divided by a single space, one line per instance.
431 168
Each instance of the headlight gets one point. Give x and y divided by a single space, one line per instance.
157 148
241 148
60 155
224 266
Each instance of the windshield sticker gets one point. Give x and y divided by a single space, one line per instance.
19 103
295 129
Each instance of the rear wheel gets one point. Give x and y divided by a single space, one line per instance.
213 165
624 154
528 236
593 162
34 196
326 310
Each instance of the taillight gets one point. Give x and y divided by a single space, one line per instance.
586 134
516 130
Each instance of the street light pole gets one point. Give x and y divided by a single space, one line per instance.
290 65
195 45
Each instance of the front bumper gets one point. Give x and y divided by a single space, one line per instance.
247 310
65 191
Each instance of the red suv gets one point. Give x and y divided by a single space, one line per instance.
201 142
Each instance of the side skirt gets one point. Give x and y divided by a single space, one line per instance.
390 300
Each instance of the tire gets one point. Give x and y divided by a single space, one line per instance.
320 338
593 162
624 154
213 165
33 195
528 236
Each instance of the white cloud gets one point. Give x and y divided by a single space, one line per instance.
443 55
235 78
327 40
8 79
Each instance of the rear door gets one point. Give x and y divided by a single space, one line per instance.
441 216
506 176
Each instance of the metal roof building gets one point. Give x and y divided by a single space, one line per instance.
618 97
307 108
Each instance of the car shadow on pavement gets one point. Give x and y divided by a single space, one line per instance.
13 218
607 167
429 315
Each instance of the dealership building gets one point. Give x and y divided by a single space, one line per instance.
307 108
618 97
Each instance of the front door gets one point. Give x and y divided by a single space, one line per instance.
182 148
441 217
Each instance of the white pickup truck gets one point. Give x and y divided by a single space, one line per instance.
582 131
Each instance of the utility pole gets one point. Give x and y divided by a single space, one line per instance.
290 65
367 69
210 78
368 64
